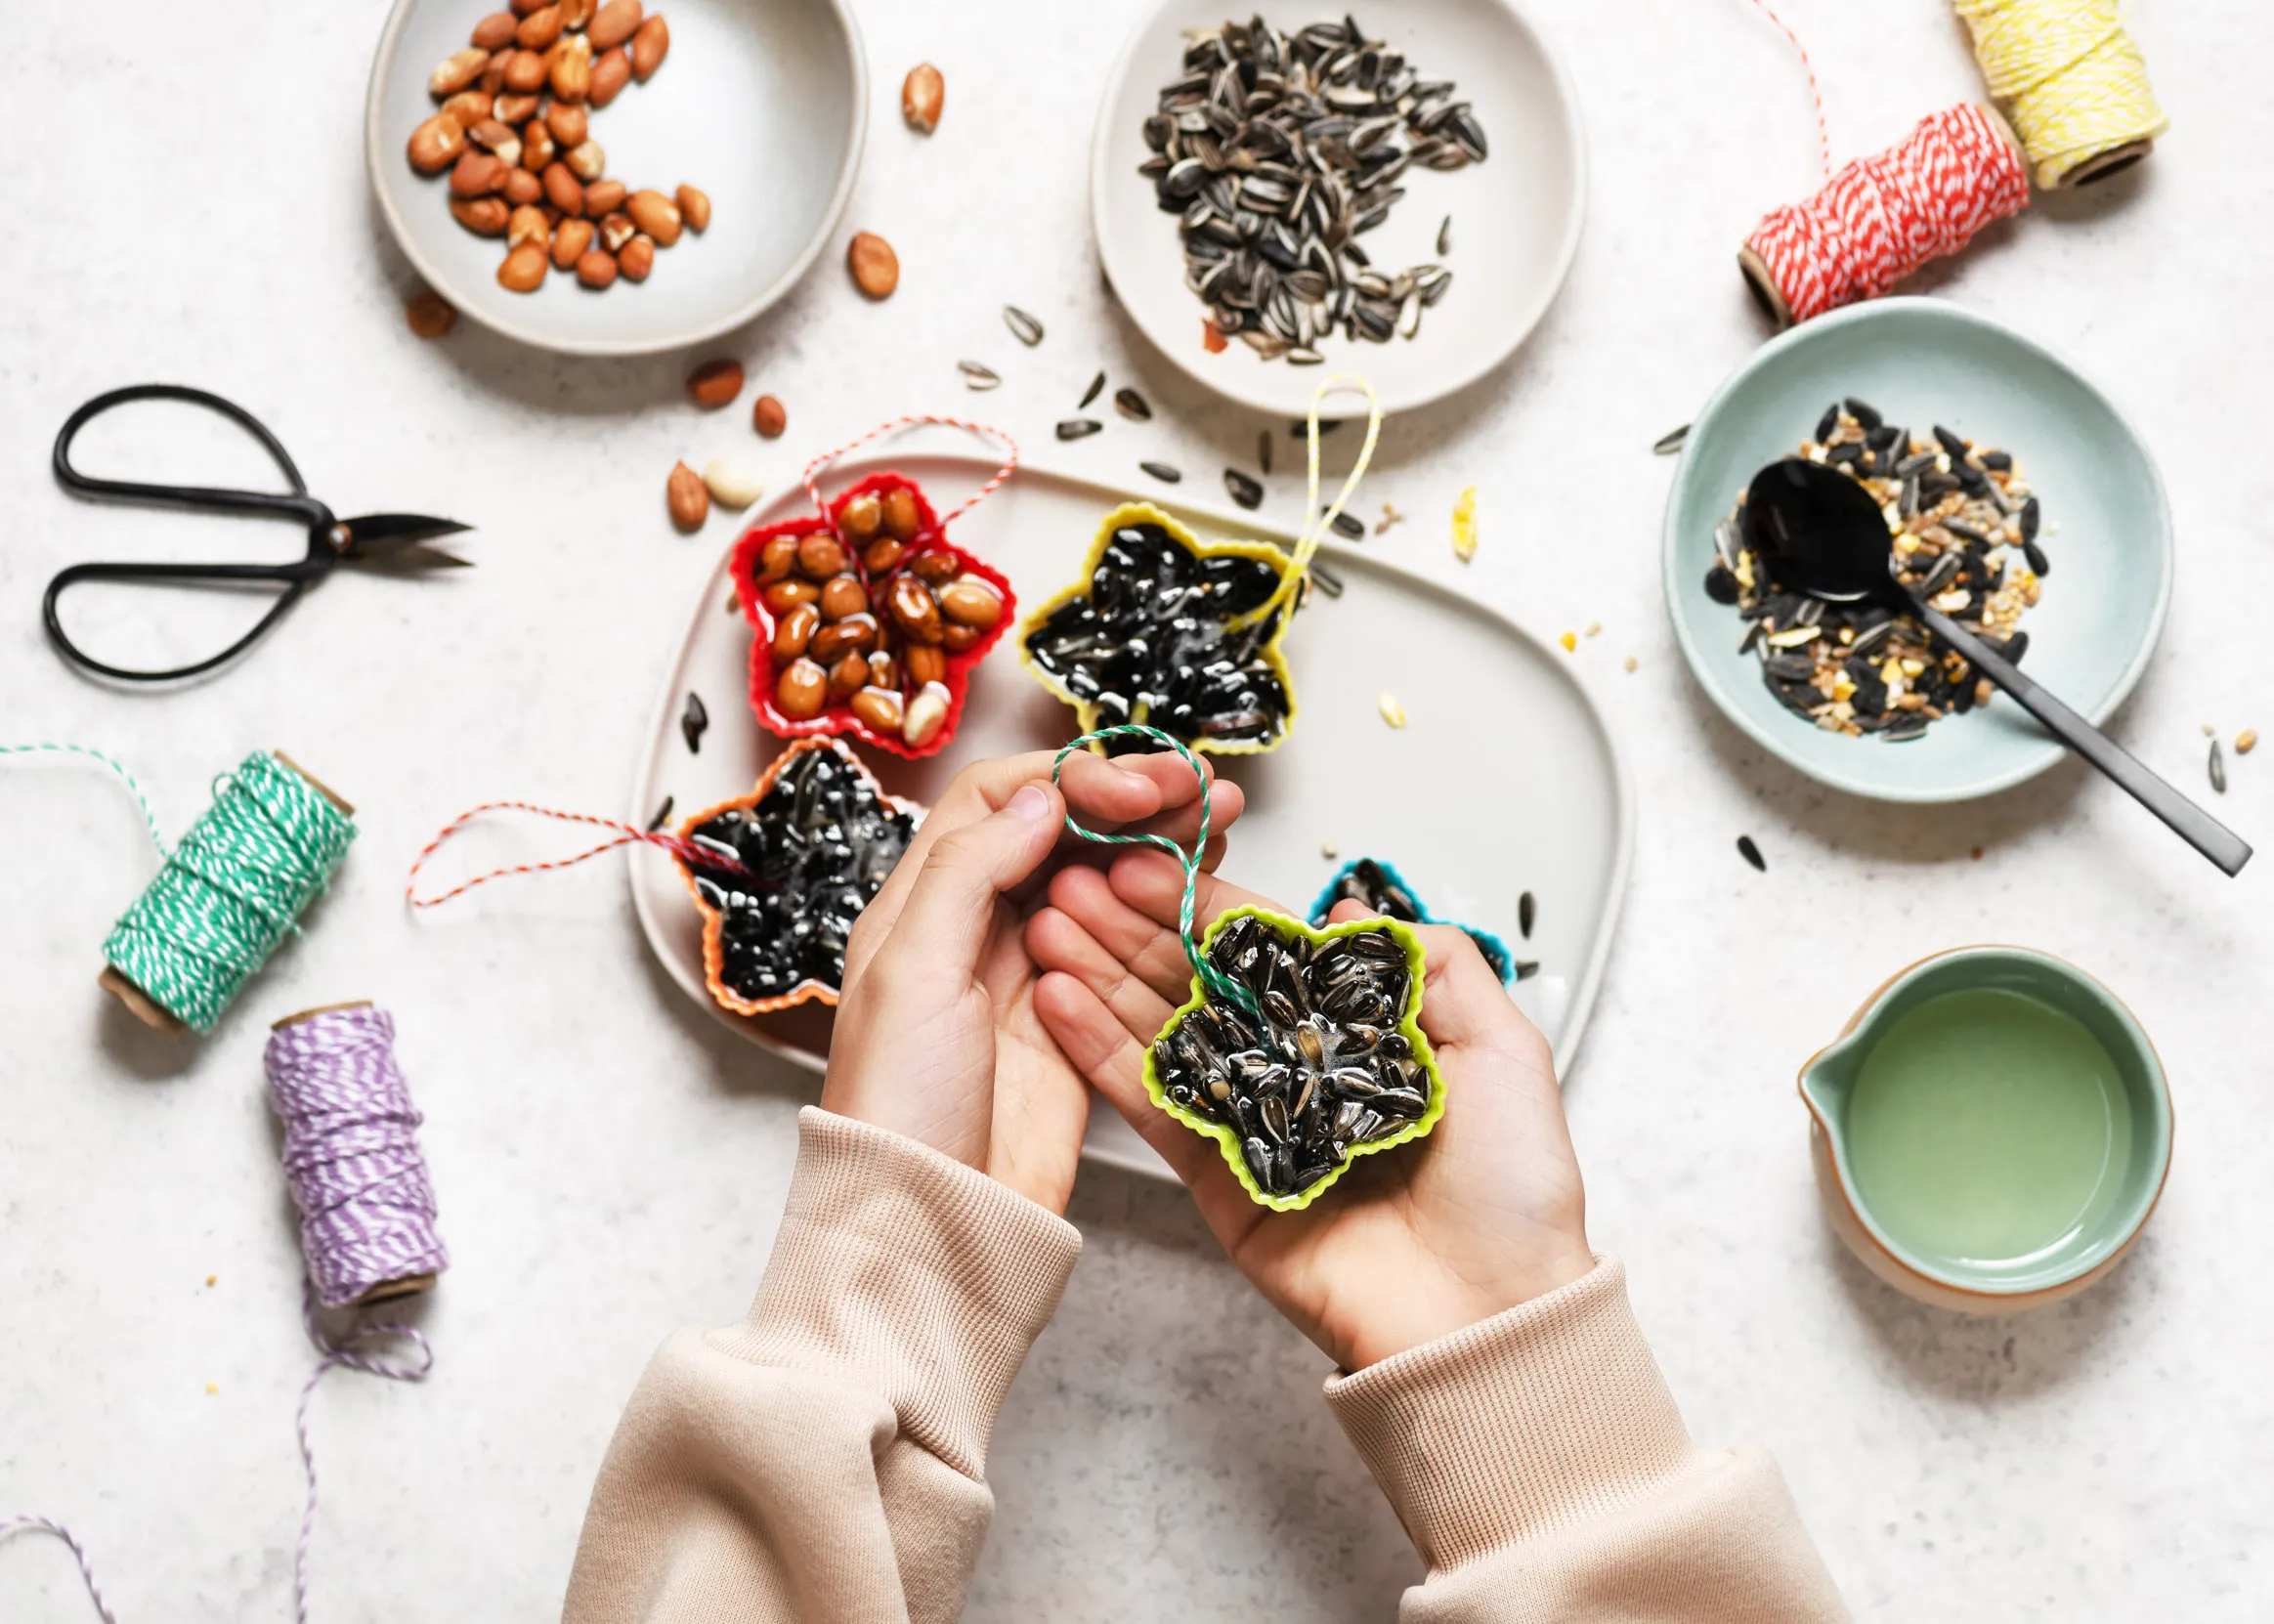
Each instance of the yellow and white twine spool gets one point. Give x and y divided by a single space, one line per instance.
2070 80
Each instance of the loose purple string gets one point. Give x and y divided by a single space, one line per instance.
21 1524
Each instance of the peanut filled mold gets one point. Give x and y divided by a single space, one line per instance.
799 857
1154 632
1306 1058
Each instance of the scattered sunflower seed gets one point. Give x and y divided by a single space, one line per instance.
1165 472
1594 628
1390 516
693 722
1024 327
1328 851
1300 429
663 816
1277 151
1391 711
1630 661
1349 525
978 376
1445 237
1526 908
1264 450
2246 741
1751 853
1132 406
1328 581
1243 488
1526 968
1672 441
733 603
1096 387
1079 428
2218 769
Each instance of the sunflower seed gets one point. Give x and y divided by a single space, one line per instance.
1243 488
694 720
1079 428
1264 449
1667 444
1328 581
1024 327
1349 525
1132 406
2218 769
1096 384
1751 853
2036 556
663 816
1525 911
978 377
1165 472
1445 237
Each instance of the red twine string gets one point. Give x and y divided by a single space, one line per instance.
1823 135
982 430
685 851
1883 217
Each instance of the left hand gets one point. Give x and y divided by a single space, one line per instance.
936 1034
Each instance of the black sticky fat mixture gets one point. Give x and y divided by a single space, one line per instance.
1148 643
1324 1071
818 846
1366 882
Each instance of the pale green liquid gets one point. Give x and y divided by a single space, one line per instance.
1987 1127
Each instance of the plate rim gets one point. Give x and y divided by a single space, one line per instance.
1587 987
1428 394
2041 754
848 173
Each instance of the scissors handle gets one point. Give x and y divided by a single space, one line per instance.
298 504
295 579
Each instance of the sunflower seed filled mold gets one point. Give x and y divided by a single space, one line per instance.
815 839
1143 635
1326 1063
1380 889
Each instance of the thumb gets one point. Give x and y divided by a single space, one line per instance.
951 903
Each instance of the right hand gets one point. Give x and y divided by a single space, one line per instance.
1484 1214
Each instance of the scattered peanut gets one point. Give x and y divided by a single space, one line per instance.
430 315
714 383
769 418
2246 741
732 486
920 96
514 135
687 498
875 268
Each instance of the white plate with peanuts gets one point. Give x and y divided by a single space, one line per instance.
602 178
1502 780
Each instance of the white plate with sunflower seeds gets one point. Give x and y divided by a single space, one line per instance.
1505 229
1536 801
760 104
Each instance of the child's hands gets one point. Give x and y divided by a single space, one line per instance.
1412 1244
936 1036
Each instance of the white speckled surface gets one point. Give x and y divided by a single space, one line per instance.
611 1164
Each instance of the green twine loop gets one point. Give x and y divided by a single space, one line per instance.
1218 984
148 816
231 891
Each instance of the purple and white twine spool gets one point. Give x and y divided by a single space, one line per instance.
351 1154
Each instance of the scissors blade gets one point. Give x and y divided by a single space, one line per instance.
376 535
419 558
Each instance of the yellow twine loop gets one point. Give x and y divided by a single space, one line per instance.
2068 76
1315 524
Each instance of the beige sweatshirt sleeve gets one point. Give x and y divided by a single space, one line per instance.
1539 1465
825 1461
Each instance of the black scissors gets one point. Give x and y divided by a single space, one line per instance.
381 539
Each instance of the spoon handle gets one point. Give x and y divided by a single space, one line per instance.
2198 828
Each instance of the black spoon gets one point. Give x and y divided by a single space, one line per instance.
1826 536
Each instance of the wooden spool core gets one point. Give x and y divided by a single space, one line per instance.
146 1009
2111 162
386 1291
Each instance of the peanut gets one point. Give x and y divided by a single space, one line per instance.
615 230
522 188
694 207
477 173
881 555
900 516
467 106
637 257
769 418
493 77
847 677
571 69
575 14
596 267
793 631
732 486
820 556
614 23
522 8
714 383
483 216
655 214
777 559
928 712
525 73
569 240
970 600
604 197
587 161
494 30
498 139
861 518
609 74
429 314
537 146
562 189
648 48
568 124
437 144
524 270
539 29
684 496
932 569
512 109
785 595
925 664
528 224
920 96
842 596
456 71
803 691
875 268
880 708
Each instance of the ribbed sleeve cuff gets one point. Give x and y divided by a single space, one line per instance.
914 1274
1529 1421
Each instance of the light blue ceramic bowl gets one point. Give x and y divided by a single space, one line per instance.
1923 362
